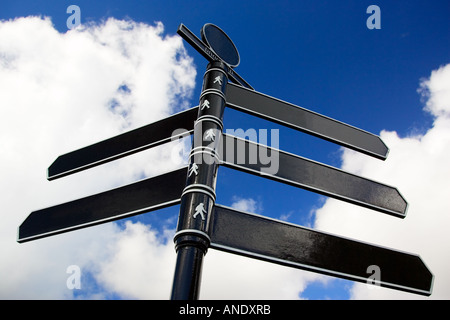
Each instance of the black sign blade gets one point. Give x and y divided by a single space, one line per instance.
122 145
295 246
208 54
140 197
310 175
298 118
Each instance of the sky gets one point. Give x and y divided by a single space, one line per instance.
124 66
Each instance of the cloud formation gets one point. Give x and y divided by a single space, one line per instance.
63 91
418 165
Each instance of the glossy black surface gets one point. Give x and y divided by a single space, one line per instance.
301 119
186 285
221 44
207 53
230 230
197 201
122 145
311 175
294 246
140 197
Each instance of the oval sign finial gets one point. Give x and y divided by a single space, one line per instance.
221 44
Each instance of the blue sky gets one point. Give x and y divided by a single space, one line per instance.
316 54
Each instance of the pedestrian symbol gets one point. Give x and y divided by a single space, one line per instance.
193 169
217 79
200 210
209 135
205 104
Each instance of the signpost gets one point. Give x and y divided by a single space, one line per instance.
314 176
140 197
303 248
202 223
149 136
298 118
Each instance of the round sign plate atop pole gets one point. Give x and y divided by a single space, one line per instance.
221 44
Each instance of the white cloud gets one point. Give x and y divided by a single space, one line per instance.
246 205
141 265
63 91
229 276
419 167
435 90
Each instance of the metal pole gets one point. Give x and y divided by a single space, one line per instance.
198 198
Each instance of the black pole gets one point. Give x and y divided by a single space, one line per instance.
198 198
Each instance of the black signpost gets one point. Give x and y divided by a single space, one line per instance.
313 176
123 145
299 247
203 224
298 118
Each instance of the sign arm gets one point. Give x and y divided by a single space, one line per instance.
300 172
298 118
126 201
287 244
123 145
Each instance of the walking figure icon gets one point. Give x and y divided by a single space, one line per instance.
205 104
200 210
217 79
210 135
193 169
